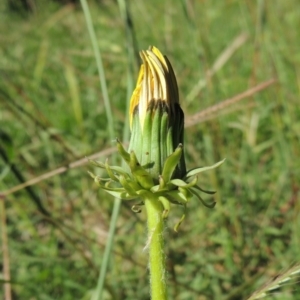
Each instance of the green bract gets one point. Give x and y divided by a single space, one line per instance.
138 182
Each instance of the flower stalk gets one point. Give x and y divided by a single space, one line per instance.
155 243
156 171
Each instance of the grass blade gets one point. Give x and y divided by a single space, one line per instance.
100 284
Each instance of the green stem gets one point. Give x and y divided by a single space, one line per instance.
155 243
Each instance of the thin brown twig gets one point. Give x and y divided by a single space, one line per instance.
218 64
202 115
190 121
5 254
58 171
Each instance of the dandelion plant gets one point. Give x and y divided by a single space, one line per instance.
155 171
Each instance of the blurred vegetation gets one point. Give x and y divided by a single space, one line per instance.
52 113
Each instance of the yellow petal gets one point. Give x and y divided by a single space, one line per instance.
156 81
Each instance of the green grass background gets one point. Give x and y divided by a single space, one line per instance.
52 113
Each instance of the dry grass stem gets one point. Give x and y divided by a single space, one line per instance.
205 114
73 165
276 282
218 64
5 254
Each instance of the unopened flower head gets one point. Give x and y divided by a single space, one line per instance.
156 83
156 119
155 158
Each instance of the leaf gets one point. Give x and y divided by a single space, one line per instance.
166 205
109 171
209 205
137 208
204 191
171 163
196 171
127 186
96 163
139 173
180 221
125 155
183 184
177 197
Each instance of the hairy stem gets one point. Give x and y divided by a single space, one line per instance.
155 243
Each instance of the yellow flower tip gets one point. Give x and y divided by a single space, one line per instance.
156 81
